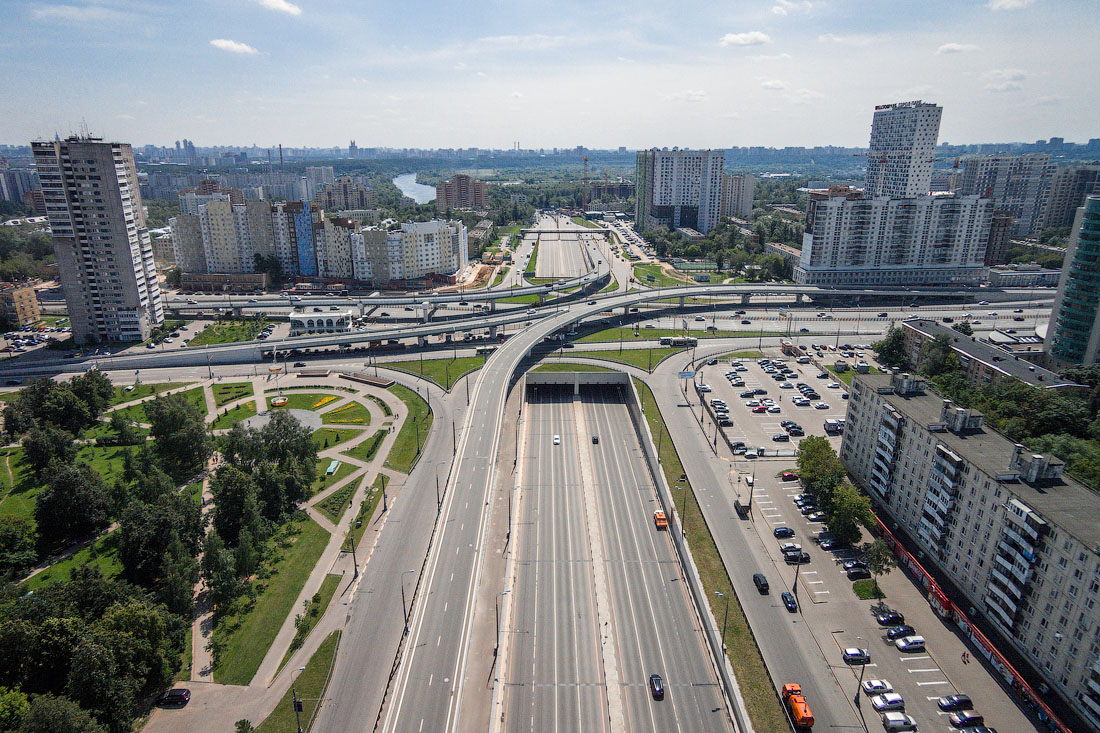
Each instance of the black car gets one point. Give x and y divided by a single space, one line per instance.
859 574
797 432
831 544
890 618
803 330
177 696
789 602
951 703
656 686
901 630
760 391
1018 318
299 363
782 533
796 558
712 362
748 393
760 582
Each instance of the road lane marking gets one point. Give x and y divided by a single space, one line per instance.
915 659
916 671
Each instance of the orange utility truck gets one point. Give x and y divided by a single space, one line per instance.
797 708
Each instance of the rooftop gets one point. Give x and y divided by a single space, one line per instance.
996 357
1064 502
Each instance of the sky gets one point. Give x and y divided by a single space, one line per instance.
545 74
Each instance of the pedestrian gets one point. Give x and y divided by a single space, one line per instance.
963 657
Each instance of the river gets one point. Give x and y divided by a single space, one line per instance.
418 192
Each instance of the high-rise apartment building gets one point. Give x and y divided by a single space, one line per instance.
344 194
208 190
334 248
852 240
433 247
1017 184
1069 188
104 253
1073 334
1000 228
19 306
737 193
902 150
678 188
1017 537
462 192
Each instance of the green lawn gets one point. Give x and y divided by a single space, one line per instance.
586 223
242 411
748 667
567 367
352 413
248 633
103 553
19 497
103 430
335 504
227 332
142 390
444 372
183 674
867 589
226 393
501 274
312 616
642 358
532 298
660 279
847 376
530 269
10 458
322 481
366 511
366 449
305 401
329 437
194 490
194 396
611 286
310 687
414 431
382 403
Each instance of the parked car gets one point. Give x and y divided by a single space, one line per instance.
897 632
782 532
966 719
910 644
952 703
888 701
855 655
895 721
890 618
797 558
176 697
859 574
877 687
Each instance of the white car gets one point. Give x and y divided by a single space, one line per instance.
877 687
704 388
773 409
888 701
833 385
910 644
821 405
786 385
557 440
752 403
895 721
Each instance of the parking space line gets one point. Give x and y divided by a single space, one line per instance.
814 582
914 659
779 522
821 592
917 671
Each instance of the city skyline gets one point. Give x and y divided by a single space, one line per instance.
307 74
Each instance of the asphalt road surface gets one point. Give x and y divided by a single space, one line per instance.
559 255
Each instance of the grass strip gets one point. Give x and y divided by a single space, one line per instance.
501 274
867 589
309 686
752 677
226 393
628 333
136 413
314 609
323 479
643 273
366 512
328 437
567 367
304 401
382 403
233 416
228 332
103 553
246 632
647 359
365 450
444 372
352 413
414 431
335 504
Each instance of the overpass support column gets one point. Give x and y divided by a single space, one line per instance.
422 341
682 299
493 332
427 317
493 306
576 383
542 299
745 298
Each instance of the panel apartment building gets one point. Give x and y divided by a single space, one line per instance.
104 253
853 240
737 191
462 192
1015 535
1018 185
678 188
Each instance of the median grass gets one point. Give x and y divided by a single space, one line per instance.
304 401
522 299
382 404
228 332
244 634
414 431
585 223
611 286
752 677
141 390
567 367
310 687
444 372
313 612
366 513
234 415
335 504
501 274
352 413
647 359
530 269
226 393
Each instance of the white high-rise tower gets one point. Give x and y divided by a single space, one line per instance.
903 147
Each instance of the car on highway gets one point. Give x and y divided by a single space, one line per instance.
760 582
557 440
901 630
789 601
910 644
888 701
656 686
877 687
299 363
1018 318
855 655
782 532
895 721
952 703
1018 310
890 618
965 719
745 322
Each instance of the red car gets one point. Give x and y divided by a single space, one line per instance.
759 409
790 476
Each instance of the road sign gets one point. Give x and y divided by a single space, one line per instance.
687 375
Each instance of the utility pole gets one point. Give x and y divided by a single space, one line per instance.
297 702
725 615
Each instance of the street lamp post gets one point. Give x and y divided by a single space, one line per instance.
297 702
404 611
725 615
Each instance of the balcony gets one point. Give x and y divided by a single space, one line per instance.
1019 544
1005 617
1007 584
1022 576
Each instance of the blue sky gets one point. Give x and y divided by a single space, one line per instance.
602 74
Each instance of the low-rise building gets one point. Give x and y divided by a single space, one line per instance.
787 252
1023 276
19 305
1017 537
982 361
223 282
316 320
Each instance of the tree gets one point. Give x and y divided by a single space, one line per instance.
819 468
46 444
244 725
219 571
964 328
850 510
94 390
236 505
17 541
53 714
891 349
179 433
73 505
146 531
937 356
13 709
123 426
64 408
880 558
174 277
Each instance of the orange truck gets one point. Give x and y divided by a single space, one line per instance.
797 707
660 520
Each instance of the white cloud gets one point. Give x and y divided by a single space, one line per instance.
280 6
846 40
786 7
233 46
1004 80
76 13
128 118
955 48
774 85
752 38
1008 4
688 95
806 96
481 74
